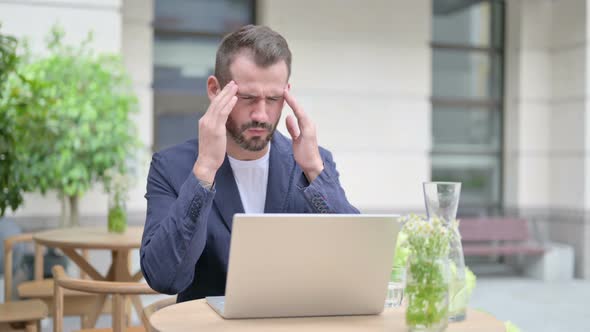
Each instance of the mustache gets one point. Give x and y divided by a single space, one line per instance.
256 124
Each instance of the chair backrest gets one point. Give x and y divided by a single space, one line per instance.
494 229
118 290
150 309
9 244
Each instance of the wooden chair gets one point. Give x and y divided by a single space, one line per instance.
150 309
22 315
119 291
76 303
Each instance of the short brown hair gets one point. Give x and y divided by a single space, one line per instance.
266 46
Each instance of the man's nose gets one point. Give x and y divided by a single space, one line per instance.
259 111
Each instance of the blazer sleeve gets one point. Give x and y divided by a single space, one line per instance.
175 229
325 194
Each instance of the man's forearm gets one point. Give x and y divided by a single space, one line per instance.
174 227
325 194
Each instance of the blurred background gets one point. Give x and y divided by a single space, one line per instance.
494 94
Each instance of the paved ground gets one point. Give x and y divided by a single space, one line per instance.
530 304
535 305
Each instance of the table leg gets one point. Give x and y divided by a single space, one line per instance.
118 314
84 253
137 276
91 319
82 263
31 326
139 309
122 274
121 265
122 271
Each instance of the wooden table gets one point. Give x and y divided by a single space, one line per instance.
198 316
69 240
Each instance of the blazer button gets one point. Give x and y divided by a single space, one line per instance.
195 209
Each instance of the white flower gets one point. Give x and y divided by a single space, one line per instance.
117 183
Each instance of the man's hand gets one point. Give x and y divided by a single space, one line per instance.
212 133
305 142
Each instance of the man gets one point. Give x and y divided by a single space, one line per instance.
239 164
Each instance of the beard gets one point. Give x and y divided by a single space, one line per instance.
256 143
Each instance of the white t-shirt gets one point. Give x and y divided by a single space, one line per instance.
251 177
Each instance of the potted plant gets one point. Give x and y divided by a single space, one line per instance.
72 120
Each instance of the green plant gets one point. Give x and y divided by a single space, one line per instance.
117 185
402 254
510 327
117 219
72 120
10 186
427 285
427 290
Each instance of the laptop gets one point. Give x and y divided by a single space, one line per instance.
298 265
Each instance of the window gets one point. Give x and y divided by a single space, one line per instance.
467 94
186 36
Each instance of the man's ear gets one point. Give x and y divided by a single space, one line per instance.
213 87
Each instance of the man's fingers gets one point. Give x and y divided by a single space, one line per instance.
292 127
232 90
224 97
219 118
226 110
297 110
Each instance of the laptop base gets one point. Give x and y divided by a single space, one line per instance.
217 303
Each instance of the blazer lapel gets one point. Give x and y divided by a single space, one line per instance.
280 170
227 198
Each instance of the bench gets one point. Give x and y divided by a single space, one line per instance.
509 238
498 237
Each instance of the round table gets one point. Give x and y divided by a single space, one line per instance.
69 240
91 238
198 316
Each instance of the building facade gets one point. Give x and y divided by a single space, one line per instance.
380 80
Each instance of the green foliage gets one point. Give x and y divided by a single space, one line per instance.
460 290
117 184
470 280
72 117
402 252
10 186
427 288
424 238
510 327
117 219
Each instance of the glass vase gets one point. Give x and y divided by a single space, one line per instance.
458 286
442 200
117 217
427 293
395 287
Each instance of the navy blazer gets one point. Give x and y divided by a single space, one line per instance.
185 245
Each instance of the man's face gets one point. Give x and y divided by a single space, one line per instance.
254 119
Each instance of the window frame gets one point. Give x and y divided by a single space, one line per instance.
159 31
497 8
